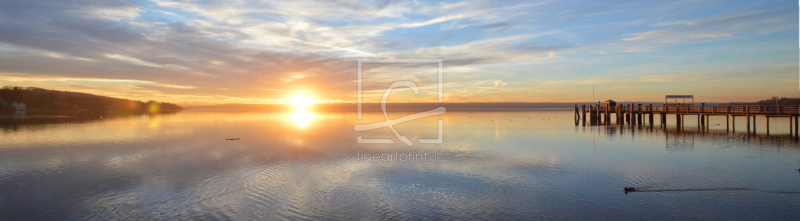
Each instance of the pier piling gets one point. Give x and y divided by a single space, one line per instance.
583 112
747 110
727 122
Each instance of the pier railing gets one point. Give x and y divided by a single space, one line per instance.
704 109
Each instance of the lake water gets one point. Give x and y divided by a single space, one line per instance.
490 165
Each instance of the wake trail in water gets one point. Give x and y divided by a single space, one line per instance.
712 189
707 178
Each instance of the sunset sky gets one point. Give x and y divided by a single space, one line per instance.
532 51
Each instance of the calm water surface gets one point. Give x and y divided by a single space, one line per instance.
494 165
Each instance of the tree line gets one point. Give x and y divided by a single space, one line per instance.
774 101
44 99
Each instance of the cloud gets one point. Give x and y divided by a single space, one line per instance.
711 35
648 35
671 23
260 50
715 26
232 35
116 14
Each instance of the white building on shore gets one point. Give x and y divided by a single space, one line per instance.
13 105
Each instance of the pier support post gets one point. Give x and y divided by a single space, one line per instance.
631 120
678 120
599 115
596 115
754 124
583 112
590 114
630 114
795 126
733 122
596 111
651 115
747 110
683 120
627 117
727 122
602 116
639 111
641 118
698 121
767 125
702 120
577 117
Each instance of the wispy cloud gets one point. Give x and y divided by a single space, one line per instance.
260 50
714 26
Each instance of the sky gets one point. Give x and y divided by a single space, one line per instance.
210 52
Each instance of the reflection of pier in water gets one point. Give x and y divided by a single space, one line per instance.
680 140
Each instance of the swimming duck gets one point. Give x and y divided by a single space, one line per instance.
629 189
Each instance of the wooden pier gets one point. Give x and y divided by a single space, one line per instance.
637 114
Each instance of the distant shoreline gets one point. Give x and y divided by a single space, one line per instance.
403 106
459 105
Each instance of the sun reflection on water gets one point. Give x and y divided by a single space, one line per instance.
301 117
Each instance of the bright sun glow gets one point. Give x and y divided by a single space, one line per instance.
301 118
301 100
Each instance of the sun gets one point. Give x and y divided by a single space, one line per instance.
301 100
